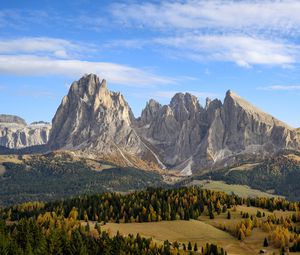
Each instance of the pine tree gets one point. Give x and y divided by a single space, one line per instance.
228 215
189 246
28 249
166 247
195 247
266 243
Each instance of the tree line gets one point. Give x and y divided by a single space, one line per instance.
153 204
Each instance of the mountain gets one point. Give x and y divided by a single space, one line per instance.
183 135
240 131
174 130
16 134
96 122
191 137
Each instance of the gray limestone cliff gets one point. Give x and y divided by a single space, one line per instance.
94 120
182 135
192 138
16 134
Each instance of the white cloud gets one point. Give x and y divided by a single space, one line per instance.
40 56
280 88
242 50
246 32
43 45
253 15
114 73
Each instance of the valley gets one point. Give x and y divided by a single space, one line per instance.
150 127
172 221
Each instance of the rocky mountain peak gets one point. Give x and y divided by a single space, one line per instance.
12 119
185 106
182 134
94 120
150 112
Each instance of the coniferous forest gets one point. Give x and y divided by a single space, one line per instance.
74 226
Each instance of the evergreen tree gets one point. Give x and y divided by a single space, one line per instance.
189 246
266 243
195 247
228 215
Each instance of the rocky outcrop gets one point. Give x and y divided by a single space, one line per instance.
182 135
192 138
4 118
96 121
239 131
16 134
174 130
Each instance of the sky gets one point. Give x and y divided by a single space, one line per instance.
150 49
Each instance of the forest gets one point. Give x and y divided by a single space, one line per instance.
52 178
73 226
280 174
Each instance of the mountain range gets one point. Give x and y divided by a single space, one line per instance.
92 121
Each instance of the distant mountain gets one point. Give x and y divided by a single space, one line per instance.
182 135
4 118
16 134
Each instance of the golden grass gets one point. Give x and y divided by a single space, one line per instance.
203 231
294 157
194 231
240 190
10 158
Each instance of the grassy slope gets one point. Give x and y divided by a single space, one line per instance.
280 174
202 231
240 190
45 178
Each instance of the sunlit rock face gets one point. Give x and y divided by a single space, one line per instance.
16 134
182 135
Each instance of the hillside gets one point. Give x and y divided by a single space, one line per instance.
56 176
170 221
279 174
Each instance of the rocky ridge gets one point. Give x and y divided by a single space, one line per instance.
182 135
16 134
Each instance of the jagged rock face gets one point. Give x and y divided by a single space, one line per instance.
238 128
183 135
93 120
174 130
150 112
16 134
192 138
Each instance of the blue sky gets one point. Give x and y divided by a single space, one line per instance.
150 49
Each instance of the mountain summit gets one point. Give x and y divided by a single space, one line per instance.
182 135
98 122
